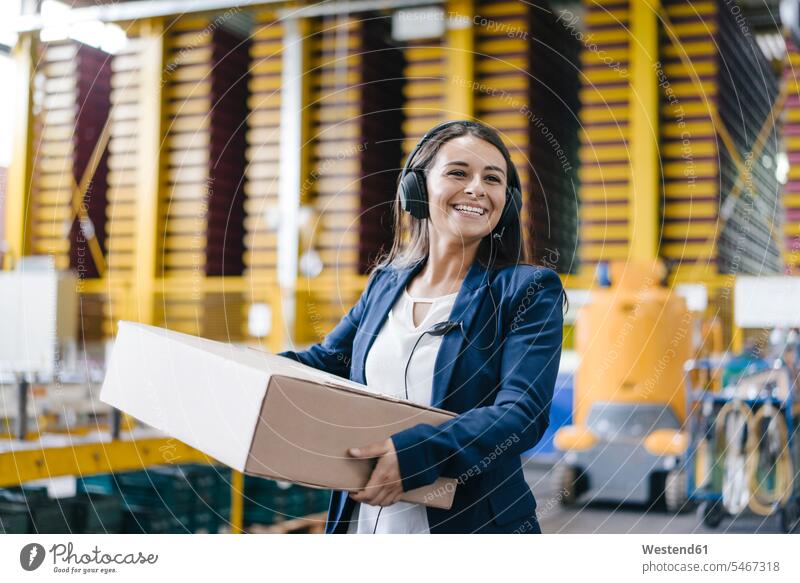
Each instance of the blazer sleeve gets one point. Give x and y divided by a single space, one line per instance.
474 441
334 353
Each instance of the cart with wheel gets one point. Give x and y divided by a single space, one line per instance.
743 453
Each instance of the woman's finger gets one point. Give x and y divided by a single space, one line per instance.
385 498
376 479
369 451
376 496
373 488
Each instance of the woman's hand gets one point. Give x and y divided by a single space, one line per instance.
385 484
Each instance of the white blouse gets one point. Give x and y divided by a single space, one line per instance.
384 371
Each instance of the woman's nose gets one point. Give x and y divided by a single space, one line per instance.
475 187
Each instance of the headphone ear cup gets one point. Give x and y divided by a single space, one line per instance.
512 208
515 198
414 194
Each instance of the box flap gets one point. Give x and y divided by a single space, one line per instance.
206 394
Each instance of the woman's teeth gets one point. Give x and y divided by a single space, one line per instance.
469 209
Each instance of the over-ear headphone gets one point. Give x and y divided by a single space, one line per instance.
413 189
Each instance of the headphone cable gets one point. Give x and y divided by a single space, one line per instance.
438 329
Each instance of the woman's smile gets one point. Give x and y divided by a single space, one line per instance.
470 211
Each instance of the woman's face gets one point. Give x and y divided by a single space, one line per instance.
466 189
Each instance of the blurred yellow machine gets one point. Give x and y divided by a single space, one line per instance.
633 338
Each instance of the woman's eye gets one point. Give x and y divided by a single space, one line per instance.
457 173
493 179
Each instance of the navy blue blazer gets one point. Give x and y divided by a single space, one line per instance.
499 380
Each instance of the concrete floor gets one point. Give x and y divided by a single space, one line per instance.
625 518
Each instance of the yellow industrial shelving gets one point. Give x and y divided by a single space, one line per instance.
791 195
605 171
29 460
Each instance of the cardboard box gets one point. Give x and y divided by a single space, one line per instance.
259 413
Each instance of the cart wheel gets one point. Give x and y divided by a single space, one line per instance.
712 513
790 516
565 480
676 491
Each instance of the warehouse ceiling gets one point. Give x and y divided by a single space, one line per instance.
751 6
761 14
763 17
84 3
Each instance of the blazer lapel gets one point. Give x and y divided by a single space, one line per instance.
379 311
465 309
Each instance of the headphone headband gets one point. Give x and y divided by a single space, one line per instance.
428 135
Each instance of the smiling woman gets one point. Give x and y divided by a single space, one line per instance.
453 317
